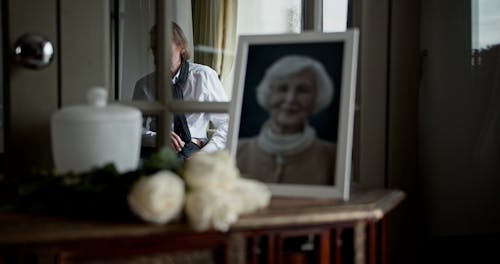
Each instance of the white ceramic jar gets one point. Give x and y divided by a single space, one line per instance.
89 136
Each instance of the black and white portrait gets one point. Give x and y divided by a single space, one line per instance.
290 118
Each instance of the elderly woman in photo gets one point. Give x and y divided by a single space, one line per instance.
287 150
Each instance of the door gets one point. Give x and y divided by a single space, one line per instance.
27 131
79 32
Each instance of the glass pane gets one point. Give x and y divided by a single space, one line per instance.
334 15
485 23
267 17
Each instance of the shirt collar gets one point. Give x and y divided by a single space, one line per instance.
176 76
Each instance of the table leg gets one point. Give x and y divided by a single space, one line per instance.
383 240
325 247
359 242
271 256
372 242
338 244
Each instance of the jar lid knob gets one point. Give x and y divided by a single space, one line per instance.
97 96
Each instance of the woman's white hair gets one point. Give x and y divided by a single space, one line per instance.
289 65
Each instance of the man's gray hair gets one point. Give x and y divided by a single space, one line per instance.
289 65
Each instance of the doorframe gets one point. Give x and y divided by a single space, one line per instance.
388 84
372 17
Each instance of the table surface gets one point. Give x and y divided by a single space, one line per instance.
364 204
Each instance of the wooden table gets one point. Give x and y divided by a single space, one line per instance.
288 231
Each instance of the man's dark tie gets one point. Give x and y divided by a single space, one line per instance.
181 127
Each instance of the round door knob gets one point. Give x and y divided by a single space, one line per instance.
33 51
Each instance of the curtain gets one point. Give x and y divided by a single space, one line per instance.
214 34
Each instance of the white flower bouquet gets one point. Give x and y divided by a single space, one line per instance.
213 196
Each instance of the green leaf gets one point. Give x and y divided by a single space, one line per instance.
164 159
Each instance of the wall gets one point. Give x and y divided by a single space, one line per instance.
84 48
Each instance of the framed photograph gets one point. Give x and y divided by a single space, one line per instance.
293 112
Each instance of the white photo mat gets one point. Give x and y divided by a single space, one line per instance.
306 43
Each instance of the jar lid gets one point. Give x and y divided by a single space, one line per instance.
97 110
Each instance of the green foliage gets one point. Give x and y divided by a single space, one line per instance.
164 159
100 192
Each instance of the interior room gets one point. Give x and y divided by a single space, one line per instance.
426 113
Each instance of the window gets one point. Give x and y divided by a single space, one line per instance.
133 20
212 28
485 23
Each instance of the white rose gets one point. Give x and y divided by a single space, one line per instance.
209 208
157 198
250 195
210 170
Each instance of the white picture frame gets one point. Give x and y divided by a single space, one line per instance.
338 52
